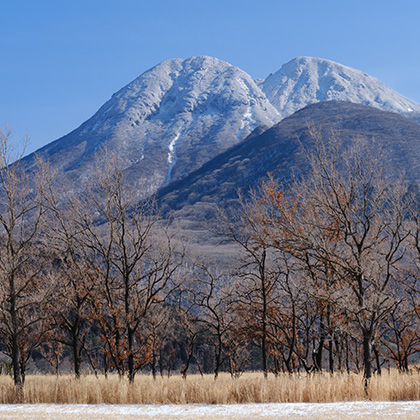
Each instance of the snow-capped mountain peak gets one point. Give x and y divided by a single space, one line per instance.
173 118
306 80
183 112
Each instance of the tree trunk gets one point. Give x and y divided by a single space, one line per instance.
154 363
378 361
331 355
184 370
105 366
331 341
367 356
17 378
131 373
318 353
347 355
76 349
264 315
218 358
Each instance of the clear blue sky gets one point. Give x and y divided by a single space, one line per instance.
61 60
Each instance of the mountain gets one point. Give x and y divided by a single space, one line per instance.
166 123
307 80
182 113
278 150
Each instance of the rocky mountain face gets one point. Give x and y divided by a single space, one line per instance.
182 113
166 123
198 130
307 80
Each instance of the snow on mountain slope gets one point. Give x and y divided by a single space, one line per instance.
306 80
168 122
181 113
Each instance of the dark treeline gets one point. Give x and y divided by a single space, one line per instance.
326 276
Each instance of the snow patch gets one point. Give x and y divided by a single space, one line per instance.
96 126
172 154
248 121
146 135
243 85
380 410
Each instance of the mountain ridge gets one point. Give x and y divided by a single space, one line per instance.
181 113
275 150
170 109
306 80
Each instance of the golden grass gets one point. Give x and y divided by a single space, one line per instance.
250 388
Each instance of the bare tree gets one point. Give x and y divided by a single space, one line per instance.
72 306
400 336
212 297
346 214
25 284
135 261
257 275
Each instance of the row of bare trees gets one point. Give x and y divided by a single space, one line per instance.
77 265
327 273
333 262
117 266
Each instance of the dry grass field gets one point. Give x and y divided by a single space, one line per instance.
249 388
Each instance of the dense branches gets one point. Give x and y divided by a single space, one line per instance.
344 226
131 259
25 283
326 274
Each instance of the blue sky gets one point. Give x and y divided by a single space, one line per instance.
61 60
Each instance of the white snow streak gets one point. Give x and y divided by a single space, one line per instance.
172 155
172 149
146 135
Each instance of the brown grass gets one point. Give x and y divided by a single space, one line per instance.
250 388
